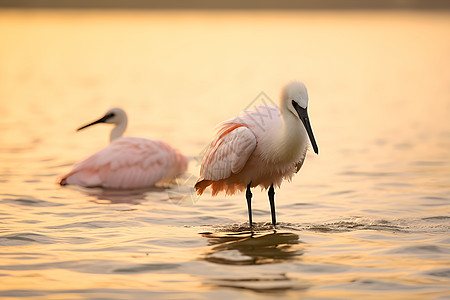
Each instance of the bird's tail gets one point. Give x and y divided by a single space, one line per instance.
201 185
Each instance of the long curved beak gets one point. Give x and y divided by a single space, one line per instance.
101 120
303 115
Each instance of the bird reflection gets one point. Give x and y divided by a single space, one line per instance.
116 196
178 193
247 248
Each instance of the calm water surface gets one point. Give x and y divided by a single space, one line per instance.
368 217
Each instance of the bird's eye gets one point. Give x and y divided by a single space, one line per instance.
293 103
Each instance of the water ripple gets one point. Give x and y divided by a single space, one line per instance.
24 238
27 200
147 268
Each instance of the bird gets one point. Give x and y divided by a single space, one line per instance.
260 147
127 162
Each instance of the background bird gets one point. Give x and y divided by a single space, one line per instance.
260 147
128 162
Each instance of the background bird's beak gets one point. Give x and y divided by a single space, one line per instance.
303 115
101 120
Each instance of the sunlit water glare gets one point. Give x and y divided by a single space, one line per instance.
368 217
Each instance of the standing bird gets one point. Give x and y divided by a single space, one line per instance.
127 162
260 147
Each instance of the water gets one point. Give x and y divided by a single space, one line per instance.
368 217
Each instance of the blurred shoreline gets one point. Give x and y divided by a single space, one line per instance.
229 5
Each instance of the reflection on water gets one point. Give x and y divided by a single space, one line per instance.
266 283
261 247
366 219
177 192
246 248
113 196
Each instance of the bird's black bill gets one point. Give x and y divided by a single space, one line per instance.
303 115
101 120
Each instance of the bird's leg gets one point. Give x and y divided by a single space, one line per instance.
248 195
272 205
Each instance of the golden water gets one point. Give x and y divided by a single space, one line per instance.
366 218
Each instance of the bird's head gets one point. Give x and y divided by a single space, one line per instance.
295 99
296 91
113 116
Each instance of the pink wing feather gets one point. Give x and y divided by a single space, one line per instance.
128 163
227 154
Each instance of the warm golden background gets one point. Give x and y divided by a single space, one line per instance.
367 218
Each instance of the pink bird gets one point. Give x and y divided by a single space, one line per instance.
128 162
259 148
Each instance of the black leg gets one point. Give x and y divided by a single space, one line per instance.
272 205
248 194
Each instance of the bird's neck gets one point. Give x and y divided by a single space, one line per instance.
290 140
118 131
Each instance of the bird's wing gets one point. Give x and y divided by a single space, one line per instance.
125 163
228 152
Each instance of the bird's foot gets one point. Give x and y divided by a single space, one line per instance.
275 228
